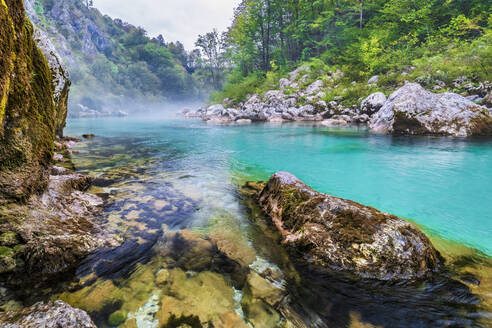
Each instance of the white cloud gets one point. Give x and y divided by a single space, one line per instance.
176 20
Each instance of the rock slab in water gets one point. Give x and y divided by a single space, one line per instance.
413 110
47 315
53 231
343 235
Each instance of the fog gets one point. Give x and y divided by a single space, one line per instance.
129 107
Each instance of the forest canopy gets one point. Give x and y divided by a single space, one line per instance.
361 37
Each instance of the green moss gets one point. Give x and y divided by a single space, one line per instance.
9 239
183 321
27 100
117 318
3 99
6 252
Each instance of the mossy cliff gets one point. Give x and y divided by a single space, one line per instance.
46 222
27 109
60 77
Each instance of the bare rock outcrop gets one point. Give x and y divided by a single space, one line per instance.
373 103
416 111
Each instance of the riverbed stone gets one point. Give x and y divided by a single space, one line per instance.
334 122
416 111
47 315
261 288
233 244
335 233
206 295
188 250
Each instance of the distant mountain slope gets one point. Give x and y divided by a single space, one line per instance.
113 65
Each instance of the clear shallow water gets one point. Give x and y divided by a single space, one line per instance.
443 184
189 239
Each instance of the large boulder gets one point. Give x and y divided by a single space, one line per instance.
373 103
343 235
47 315
413 110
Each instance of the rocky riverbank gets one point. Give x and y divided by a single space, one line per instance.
44 238
47 220
409 110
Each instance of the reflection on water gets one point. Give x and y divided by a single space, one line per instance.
193 251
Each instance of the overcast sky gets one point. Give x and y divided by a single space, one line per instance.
176 20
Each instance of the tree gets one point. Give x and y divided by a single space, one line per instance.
213 50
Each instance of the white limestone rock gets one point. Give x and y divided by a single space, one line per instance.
416 111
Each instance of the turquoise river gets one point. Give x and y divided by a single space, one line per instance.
164 176
443 184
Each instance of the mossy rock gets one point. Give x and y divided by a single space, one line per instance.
7 260
340 234
27 111
117 318
9 239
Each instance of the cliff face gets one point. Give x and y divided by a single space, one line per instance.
60 77
114 66
27 109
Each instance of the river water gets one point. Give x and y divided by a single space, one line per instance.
173 191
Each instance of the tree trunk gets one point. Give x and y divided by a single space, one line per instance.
361 12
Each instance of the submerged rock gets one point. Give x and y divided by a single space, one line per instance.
343 235
204 297
413 110
334 122
47 315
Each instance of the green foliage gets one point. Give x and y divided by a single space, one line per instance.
117 61
472 59
441 38
238 87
